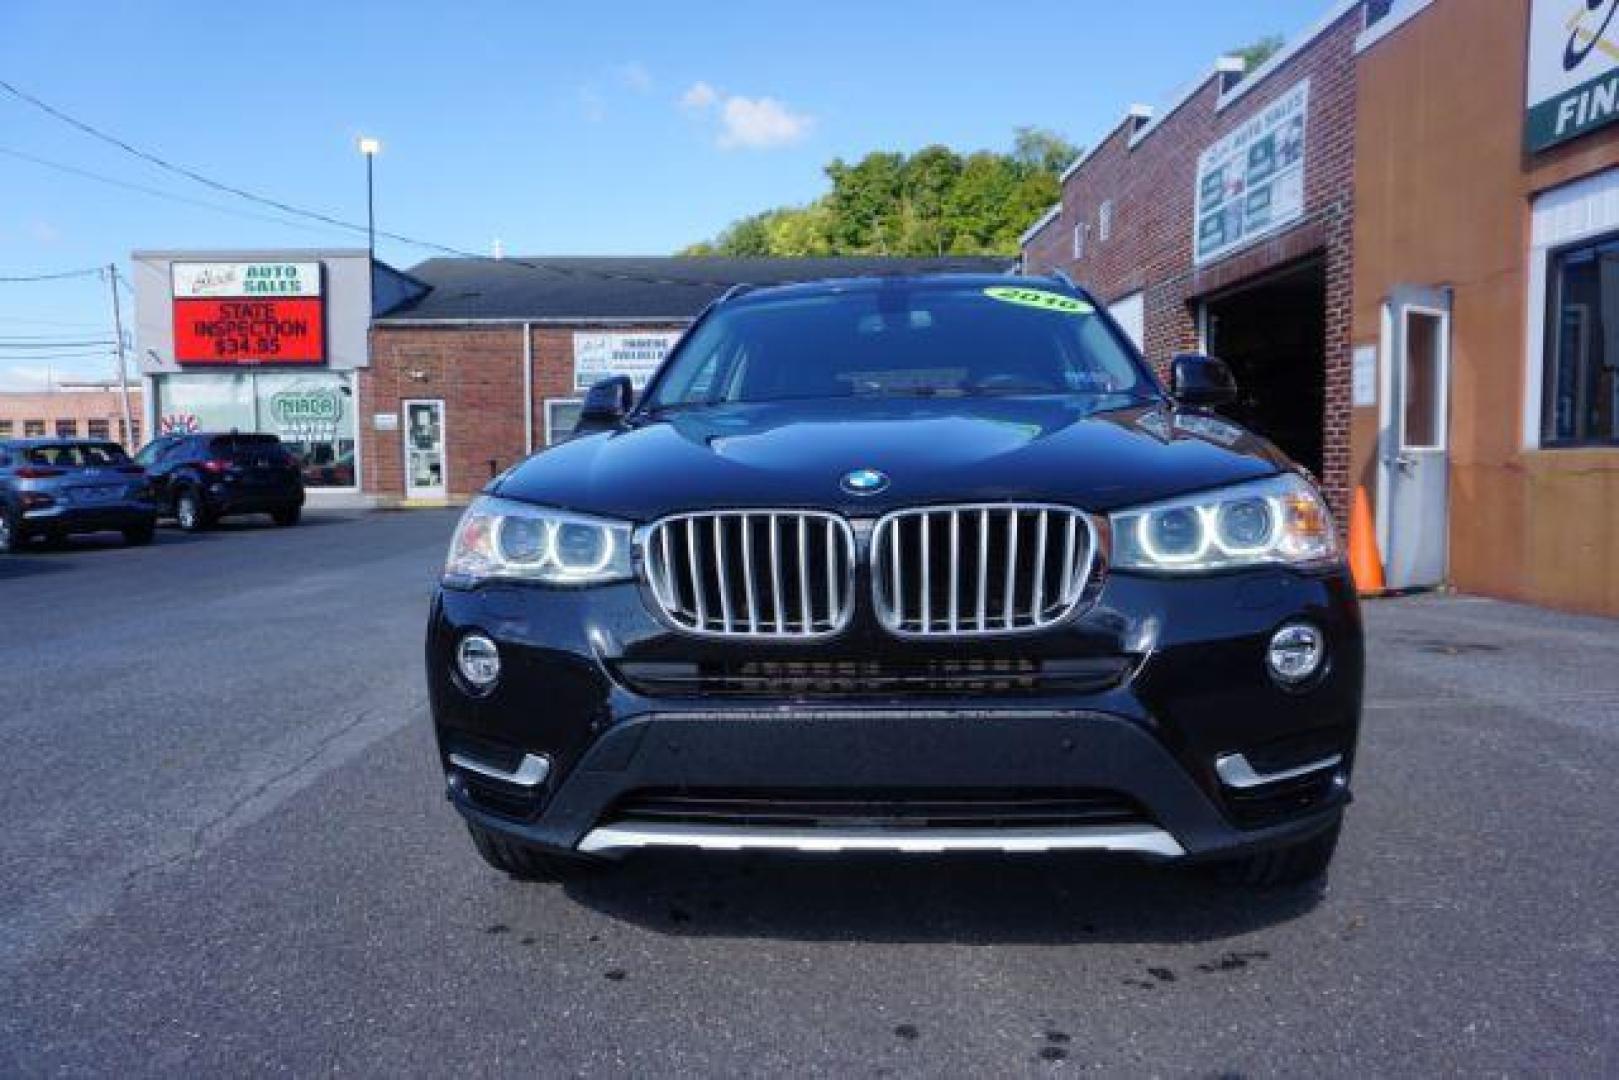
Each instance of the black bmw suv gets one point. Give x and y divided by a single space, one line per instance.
913 565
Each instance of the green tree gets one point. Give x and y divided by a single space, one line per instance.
1257 52
932 202
1039 150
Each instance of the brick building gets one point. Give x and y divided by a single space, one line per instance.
491 361
89 411
1223 223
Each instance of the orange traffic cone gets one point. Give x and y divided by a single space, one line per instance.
1364 563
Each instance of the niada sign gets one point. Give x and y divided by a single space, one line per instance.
292 408
1252 181
1573 70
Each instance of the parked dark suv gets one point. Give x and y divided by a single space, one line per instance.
909 565
55 488
201 477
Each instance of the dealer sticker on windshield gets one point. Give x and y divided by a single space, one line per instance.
1039 298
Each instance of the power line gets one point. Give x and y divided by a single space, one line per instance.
63 275
56 344
33 321
77 350
33 337
327 219
88 174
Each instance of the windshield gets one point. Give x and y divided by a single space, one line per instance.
77 455
901 340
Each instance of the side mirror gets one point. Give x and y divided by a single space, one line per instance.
606 404
1201 381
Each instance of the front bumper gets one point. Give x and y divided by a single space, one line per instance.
71 519
1191 691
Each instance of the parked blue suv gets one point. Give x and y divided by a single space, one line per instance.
54 488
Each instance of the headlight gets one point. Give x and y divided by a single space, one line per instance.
513 541
1280 520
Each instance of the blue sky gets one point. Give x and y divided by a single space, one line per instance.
607 128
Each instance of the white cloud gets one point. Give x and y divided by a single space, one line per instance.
634 76
699 96
760 123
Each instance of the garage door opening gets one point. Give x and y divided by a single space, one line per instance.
1273 334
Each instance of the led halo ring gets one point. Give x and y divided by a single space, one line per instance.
609 549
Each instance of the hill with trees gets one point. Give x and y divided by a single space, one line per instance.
935 201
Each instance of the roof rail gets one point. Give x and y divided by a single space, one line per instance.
1062 276
734 291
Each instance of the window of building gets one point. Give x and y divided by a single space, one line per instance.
33 429
313 414
5 429
1423 425
561 417
1580 402
98 429
132 437
1104 222
67 429
1080 229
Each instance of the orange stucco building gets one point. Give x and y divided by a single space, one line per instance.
1485 327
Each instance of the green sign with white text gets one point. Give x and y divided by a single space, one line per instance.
1573 67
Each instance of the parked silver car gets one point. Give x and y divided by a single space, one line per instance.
53 488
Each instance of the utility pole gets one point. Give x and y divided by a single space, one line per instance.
123 371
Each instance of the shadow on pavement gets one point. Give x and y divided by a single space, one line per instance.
16 566
1055 900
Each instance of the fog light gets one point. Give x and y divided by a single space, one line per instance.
1295 653
478 661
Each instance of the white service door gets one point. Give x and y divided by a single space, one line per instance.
424 450
1414 450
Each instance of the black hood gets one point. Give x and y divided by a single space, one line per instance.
795 453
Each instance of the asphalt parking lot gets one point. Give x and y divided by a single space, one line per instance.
227 852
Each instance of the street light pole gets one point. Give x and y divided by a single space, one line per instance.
370 147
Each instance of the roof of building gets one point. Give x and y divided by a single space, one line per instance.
585 289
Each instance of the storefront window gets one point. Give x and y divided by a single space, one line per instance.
313 414
1582 370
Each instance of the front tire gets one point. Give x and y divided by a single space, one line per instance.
139 535
190 512
1304 863
524 862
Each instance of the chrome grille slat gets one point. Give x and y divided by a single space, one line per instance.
724 579
776 575
796 582
923 590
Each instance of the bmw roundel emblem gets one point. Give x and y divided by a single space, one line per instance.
864 482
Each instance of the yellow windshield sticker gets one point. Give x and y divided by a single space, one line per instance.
1039 298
